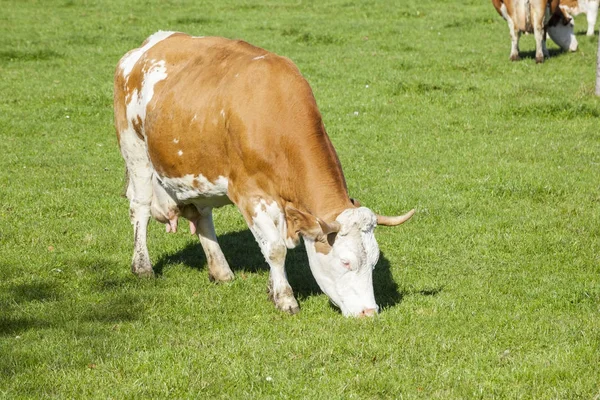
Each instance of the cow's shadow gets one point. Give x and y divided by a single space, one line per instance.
530 54
584 33
243 254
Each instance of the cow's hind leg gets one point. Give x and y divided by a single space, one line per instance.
514 36
592 15
139 193
540 36
218 268
266 221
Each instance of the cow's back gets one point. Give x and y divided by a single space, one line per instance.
204 105
214 111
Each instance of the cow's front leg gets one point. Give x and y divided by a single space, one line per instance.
218 268
279 290
266 220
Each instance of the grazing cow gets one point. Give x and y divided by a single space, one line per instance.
537 17
205 121
588 7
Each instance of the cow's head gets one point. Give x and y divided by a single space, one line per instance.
560 29
342 255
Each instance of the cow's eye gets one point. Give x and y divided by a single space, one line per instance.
346 264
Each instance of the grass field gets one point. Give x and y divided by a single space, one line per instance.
491 291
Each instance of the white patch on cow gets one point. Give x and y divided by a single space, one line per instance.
350 288
129 61
223 113
175 140
259 57
197 189
264 211
136 108
236 75
268 221
180 153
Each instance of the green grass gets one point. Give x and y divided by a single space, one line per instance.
491 291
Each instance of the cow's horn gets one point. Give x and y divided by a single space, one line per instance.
393 221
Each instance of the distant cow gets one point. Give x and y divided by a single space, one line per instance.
203 122
588 7
537 17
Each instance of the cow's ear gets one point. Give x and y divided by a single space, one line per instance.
309 225
303 223
566 18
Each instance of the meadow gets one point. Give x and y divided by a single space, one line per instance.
492 290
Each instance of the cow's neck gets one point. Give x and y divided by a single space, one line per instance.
323 191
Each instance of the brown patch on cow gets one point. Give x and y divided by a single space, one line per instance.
569 3
299 222
302 222
322 246
138 127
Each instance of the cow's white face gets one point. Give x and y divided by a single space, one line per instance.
343 267
562 35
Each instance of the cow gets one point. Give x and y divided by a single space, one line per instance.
203 122
588 7
538 17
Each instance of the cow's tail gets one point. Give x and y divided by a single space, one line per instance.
526 15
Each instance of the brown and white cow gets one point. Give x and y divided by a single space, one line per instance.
537 17
588 7
205 121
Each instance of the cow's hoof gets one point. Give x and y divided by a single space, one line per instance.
293 310
290 308
539 60
515 57
284 301
287 304
142 272
141 265
220 276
